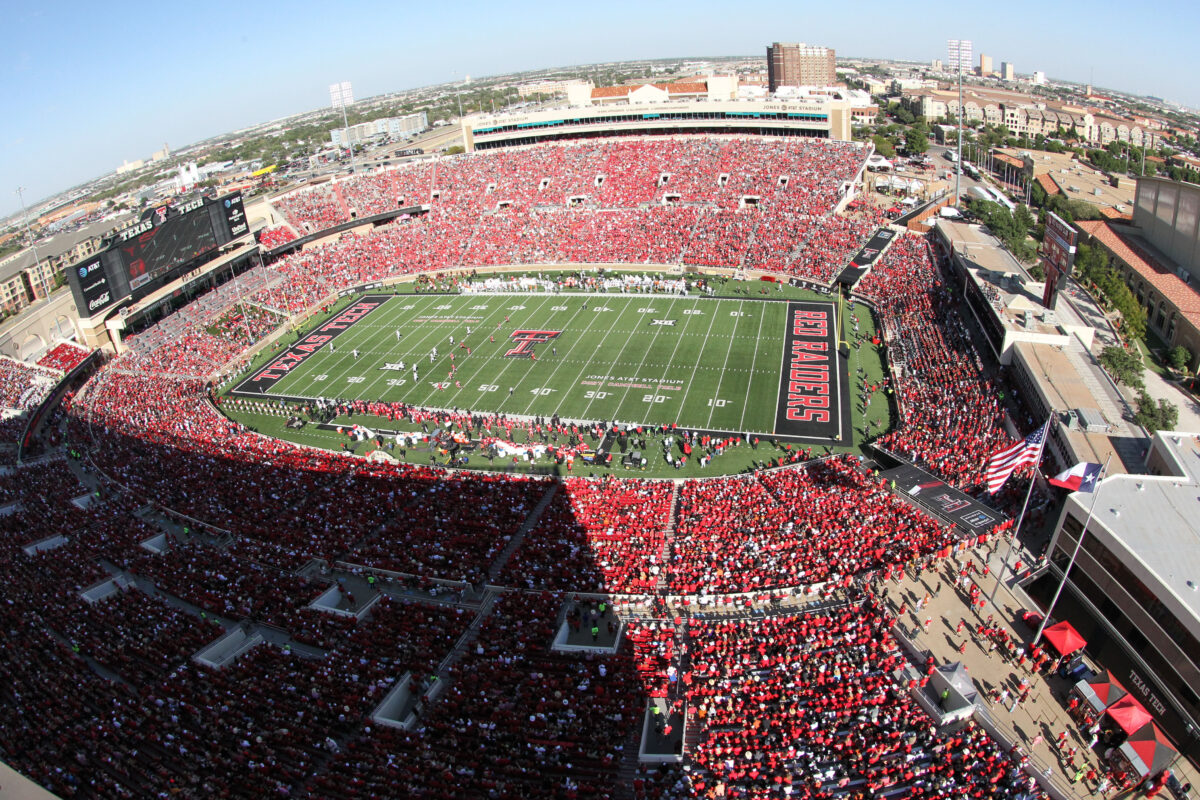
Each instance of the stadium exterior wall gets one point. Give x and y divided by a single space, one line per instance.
820 117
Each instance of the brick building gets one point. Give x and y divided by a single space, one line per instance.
790 64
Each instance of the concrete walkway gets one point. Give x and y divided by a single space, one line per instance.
1036 723
1156 386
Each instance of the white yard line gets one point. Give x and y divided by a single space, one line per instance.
688 388
725 363
615 361
341 345
638 372
408 355
496 378
750 381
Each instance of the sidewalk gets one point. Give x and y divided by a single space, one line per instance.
1158 388
1035 723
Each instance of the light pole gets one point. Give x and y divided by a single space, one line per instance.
960 56
342 95
32 244
457 95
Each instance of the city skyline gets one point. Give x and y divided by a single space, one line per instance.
89 89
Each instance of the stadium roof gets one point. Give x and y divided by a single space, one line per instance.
669 88
1155 521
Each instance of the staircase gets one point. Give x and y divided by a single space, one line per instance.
343 206
498 565
664 556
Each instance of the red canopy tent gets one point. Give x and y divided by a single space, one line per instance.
1148 750
1101 692
1064 637
1128 713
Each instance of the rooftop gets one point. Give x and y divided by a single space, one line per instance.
1062 172
1154 267
669 88
1004 282
1183 451
1157 521
1043 161
1067 389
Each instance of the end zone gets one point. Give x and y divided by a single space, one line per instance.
263 379
813 382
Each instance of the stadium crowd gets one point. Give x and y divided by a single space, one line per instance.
951 411
64 357
808 706
701 201
23 387
102 697
270 238
820 523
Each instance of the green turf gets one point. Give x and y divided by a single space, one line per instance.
716 368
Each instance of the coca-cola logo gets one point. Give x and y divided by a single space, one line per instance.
100 301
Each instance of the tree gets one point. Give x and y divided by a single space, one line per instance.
455 150
883 146
1024 220
1161 415
1090 261
1124 366
916 140
1011 229
1037 194
1179 357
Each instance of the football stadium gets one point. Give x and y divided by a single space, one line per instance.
564 482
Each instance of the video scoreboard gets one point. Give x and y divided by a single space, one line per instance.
167 241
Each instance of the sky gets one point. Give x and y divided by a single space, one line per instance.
89 85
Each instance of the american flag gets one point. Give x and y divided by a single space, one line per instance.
1002 464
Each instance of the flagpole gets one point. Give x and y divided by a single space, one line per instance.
1021 517
1074 553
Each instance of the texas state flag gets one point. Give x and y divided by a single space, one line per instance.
1080 478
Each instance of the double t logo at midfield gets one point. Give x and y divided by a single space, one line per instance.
526 340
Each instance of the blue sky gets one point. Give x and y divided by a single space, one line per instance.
87 85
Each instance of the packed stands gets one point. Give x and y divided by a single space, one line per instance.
788 702
64 357
806 526
616 528
807 705
23 387
951 412
270 238
710 202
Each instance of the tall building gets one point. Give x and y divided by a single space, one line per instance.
1039 77
985 65
790 64
1007 71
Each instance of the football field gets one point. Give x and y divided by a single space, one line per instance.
702 363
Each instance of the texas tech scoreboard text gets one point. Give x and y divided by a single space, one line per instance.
168 240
